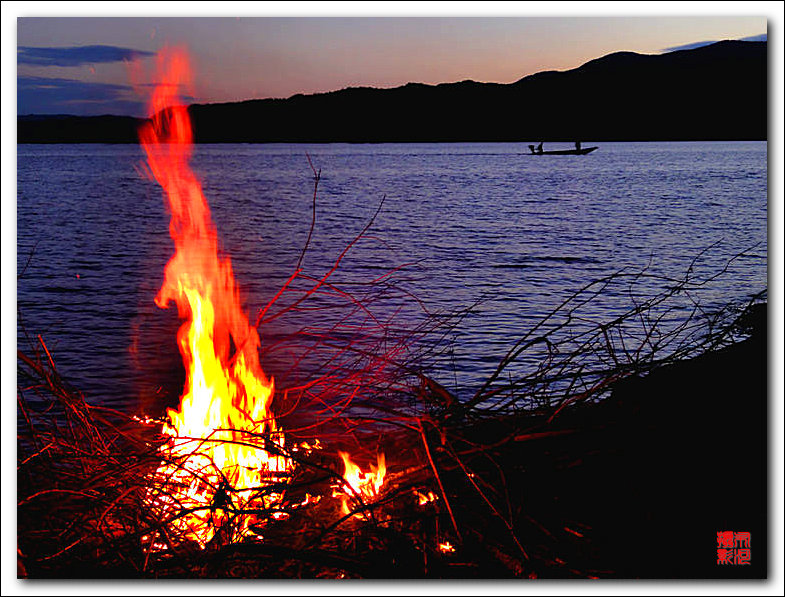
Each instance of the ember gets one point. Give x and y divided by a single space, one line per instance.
446 547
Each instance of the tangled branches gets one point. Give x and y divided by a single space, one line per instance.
570 356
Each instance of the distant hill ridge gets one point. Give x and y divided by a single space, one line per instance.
714 92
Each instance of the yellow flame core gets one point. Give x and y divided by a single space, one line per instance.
216 464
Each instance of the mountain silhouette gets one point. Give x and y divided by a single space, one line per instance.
714 92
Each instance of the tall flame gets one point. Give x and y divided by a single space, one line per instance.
223 454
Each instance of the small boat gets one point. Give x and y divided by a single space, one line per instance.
581 151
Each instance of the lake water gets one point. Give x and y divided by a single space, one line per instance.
472 221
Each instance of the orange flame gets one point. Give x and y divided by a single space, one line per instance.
224 448
363 485
425 498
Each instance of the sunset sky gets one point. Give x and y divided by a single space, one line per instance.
87 65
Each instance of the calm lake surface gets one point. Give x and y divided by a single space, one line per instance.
473 221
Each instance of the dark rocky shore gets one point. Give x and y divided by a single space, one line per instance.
651 475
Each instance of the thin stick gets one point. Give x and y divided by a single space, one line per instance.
316 177
438 480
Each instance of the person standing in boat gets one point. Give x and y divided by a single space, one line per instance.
539 147
578 145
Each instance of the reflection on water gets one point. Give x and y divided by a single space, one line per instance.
472 221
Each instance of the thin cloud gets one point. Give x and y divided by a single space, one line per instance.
43 95
50 95
700 44
76 56
692 46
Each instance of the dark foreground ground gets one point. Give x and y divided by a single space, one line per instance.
650 476
637 486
